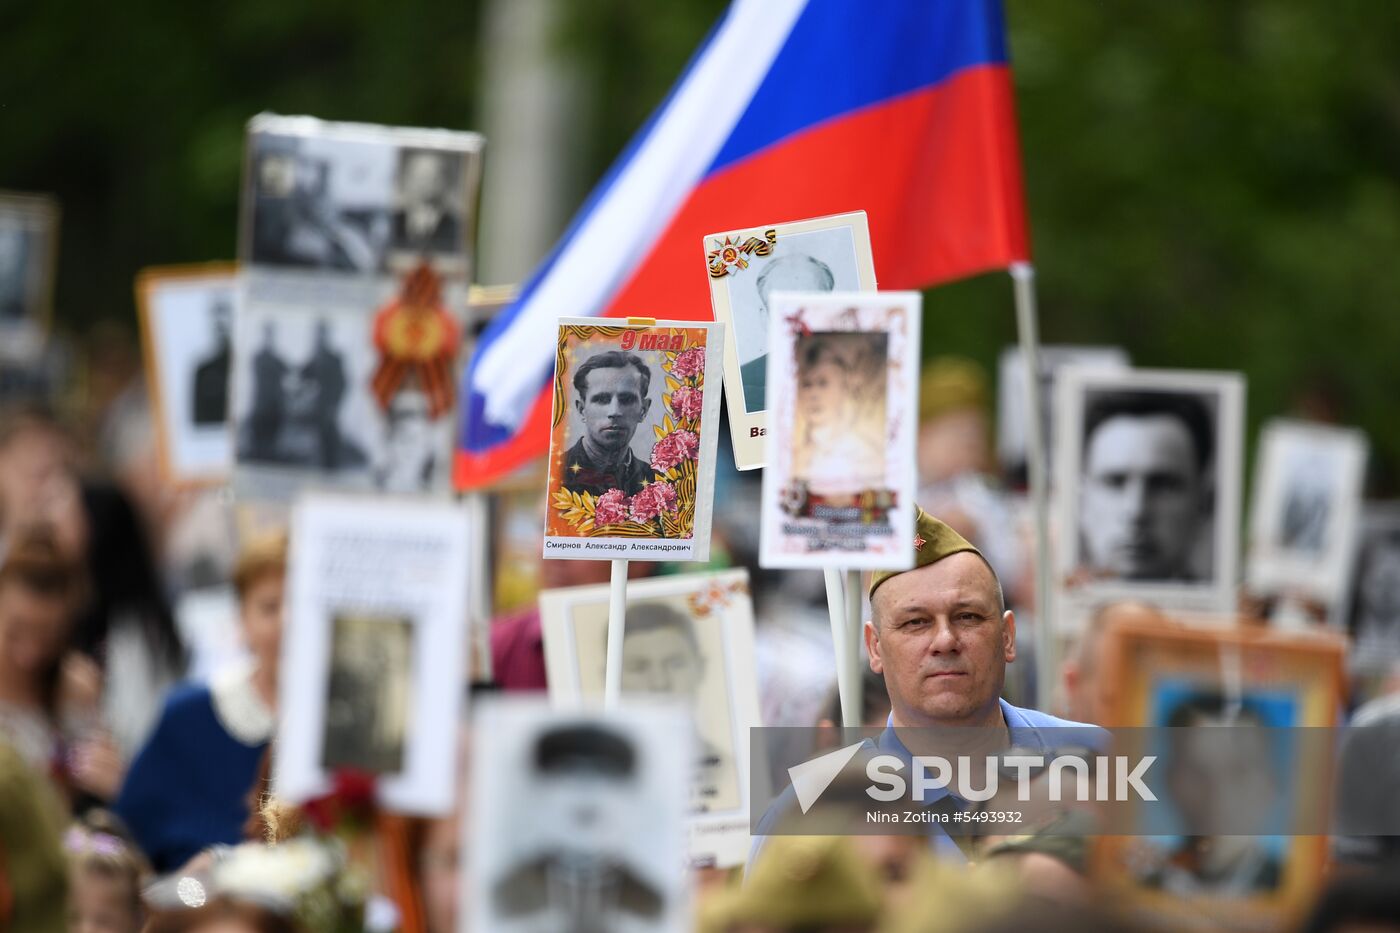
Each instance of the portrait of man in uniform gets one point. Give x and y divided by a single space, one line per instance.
611 399
661 656
1145 493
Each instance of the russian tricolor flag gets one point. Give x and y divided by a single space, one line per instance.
790 109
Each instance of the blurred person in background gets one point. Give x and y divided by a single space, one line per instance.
106 873
517 643
188 787
1087 693
125 625
50 695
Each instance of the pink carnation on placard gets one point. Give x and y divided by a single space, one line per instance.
610 508
687 401
689 363
652 501
674 448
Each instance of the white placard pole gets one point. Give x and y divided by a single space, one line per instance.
479 590
617 616
851 712
1047 666
836 608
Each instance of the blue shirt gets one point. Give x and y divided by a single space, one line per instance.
188 788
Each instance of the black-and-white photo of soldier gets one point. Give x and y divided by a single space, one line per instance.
585 776
612 400
1145 487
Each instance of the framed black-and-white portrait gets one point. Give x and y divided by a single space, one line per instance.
304 411
187 315
373 667
1304 510
746 267
358 199
688 638
1011 397
28 248
1373 606
576 819
1148 486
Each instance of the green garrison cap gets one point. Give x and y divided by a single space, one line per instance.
804 881
933 541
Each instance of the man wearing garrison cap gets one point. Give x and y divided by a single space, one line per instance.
941 636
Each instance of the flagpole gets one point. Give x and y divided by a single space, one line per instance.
836 609
1046 663
851 711
617 613
479 598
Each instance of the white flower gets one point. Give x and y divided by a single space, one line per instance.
284 871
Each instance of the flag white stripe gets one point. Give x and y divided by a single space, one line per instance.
642 201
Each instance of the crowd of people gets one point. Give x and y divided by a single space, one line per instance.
136 746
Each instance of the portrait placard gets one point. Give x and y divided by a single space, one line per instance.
356 251
747 267
687 638
373 655
187 315
839 480
28 248
576 819
632 442
1147 467
1373 606
1304 512
358 199
1269 694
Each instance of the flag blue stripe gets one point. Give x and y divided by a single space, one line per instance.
842 56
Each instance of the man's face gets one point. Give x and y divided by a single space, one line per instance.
661 661
1142 497
942 642
793 275
33 627
612 406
